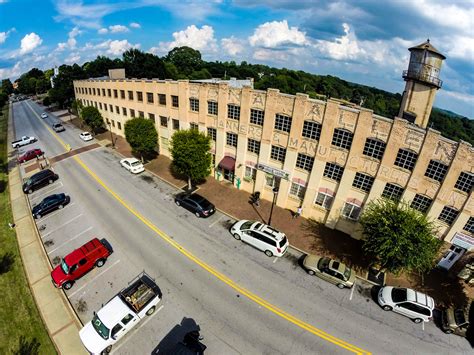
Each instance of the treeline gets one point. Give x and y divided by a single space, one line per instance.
186 63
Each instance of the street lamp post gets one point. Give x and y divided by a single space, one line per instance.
275 194
111 134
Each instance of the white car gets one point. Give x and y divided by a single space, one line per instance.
133 165
44 115
86 136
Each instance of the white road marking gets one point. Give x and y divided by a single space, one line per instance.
352 291
61 226
54 213
37 196
95 277
63 244
275 260
214 223
423 326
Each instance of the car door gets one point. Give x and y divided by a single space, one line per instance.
82 267
257 241
123 327
407 309
326 274
246 236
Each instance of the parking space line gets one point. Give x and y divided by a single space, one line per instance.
352 291
423 326
95 277
45 193
54 213
67 242
54 230
214 223
275 260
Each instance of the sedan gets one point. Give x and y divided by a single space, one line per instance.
30 154
86 136
44 115
58 127
50 204
329 270
133 165
195 203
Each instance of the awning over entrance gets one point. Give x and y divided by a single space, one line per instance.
227 163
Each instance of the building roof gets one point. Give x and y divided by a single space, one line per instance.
232 82
427 46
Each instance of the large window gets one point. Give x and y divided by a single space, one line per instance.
115 93
278 153
465 182
212 108
139 96
130 95
117 109
324 200
233 112
151 116
163 121
122 94
141 114
374 148
363 181
282 123
392 192
162 99
311 130
448 215
304 162
194 104
436 170
253 146
149 97
256 116
132 113
124 111
469 226
194 126
351 211
109 92
174 101
231 139
212 132
421 203
250 172
342 138
406 159
333 171
103 92
297 190
175 124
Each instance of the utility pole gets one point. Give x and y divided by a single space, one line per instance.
275 194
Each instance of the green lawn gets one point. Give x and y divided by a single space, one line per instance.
21 328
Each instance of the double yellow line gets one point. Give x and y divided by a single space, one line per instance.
260 301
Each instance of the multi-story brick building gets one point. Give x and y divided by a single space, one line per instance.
330 157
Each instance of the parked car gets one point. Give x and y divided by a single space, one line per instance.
44 115
23 141
195 203
455 321
79 262
29 155
38 180
329 270
86 136
410 303
133 165
261 236
58 127
50 204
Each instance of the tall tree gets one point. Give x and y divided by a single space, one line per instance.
63 90
139 64
185 59
141 134
92 118
190 150
399 237
7 86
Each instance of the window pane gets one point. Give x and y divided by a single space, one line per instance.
311 130
342 138
256 116
282 123
406 159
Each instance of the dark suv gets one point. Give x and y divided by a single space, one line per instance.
50 204
39 180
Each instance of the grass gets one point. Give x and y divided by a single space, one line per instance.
21 328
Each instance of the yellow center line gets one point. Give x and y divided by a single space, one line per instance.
262 302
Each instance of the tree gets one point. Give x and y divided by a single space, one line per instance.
63 90
7 86
139 64
46 101
141 134
191 156
92 118
185 59
399 237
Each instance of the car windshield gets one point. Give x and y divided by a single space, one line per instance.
399 294
136 163
323 263
246 225
64 266
100 327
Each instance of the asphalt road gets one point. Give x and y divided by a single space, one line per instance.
243 301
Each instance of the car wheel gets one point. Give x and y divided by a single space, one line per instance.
311 272
30 191
150 311
107 350
177 203
60 207
268 253
50 181
236 236
387 308
37 216
341 286
417 320
67 285
449 331
100 262
197 215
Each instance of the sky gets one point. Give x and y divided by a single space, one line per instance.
362 41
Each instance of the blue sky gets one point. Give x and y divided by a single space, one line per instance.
363 41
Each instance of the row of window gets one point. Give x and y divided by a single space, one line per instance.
161 98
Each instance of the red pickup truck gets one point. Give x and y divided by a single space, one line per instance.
79 262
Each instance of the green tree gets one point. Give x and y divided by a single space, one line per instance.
141 134
46 101
92 118
399 237
185 59
191 156
63 90
139 64
7 86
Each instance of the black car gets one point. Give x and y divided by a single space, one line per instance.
50 204
195 203
38 180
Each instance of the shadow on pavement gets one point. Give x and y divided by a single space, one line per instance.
172 343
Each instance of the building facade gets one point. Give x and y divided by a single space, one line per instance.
329 157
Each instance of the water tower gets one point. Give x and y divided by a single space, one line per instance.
422 82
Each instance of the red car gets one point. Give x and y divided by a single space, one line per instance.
30 154
80 262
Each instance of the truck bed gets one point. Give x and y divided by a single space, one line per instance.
140 293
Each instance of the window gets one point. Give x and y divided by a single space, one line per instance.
139 96
374 148
113 123
272 181
233 112
363 182
124 111
130 95
436 170
163 121
282 123
149 97
469 226
421 203
109 92
193 125
115 93
98 92
141 114
212 132
297 190
111 108
342 138
116 329
194 104
175 124
174 101
117 109
151 116
351 211
253 146
392 192
448 215
127 319
212 107
162 99
132 113
250 172
333 171
311 130
278 153
324 199
93 90
90 91
256 116
122 94
105 107
231 139
304 162
406 159
119 125
103 92
465 181
100 105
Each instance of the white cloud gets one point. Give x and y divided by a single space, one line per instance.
277 34
73 58
71 42
200 39
30 42
233 46
118 47
4 35
102 31
135 25
343 48
118 29
12 72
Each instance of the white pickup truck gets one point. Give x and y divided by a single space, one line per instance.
120 315
23 141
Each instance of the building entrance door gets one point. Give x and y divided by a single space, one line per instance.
228 175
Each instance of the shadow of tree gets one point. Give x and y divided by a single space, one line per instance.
3 186
6 262
177 175
27 347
